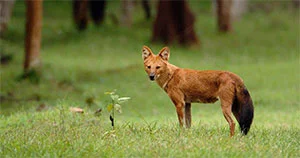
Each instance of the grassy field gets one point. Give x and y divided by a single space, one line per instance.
263 49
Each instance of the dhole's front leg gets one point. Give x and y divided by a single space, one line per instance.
184 114
180 113
179 103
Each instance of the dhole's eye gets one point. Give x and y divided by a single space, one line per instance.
157 67
148 67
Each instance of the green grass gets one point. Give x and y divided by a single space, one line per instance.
263 49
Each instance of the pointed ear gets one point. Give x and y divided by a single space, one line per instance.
146 52
165 53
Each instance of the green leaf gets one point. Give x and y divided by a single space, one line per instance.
114 97
123 99
109 92
110 107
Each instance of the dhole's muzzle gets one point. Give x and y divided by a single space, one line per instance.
152 76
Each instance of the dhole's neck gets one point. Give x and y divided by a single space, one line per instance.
165 77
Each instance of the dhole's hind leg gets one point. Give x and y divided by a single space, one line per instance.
188 117
226 94
227 114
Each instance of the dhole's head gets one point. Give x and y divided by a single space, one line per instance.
155 65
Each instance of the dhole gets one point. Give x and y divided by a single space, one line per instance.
186 86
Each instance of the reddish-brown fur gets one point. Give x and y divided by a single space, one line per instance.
186 86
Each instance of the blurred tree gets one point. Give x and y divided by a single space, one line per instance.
224 15
127 7
5 13
126 16
34 11
239 7
174 21
296 3
97 10
146 7
80 13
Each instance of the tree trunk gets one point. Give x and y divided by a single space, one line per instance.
80 13
97 10
174 22
34 11
5 13
296 3
239 7
126 17
146 7
224 15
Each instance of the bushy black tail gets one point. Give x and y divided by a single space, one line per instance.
243 109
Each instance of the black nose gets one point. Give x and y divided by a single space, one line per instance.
151 78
